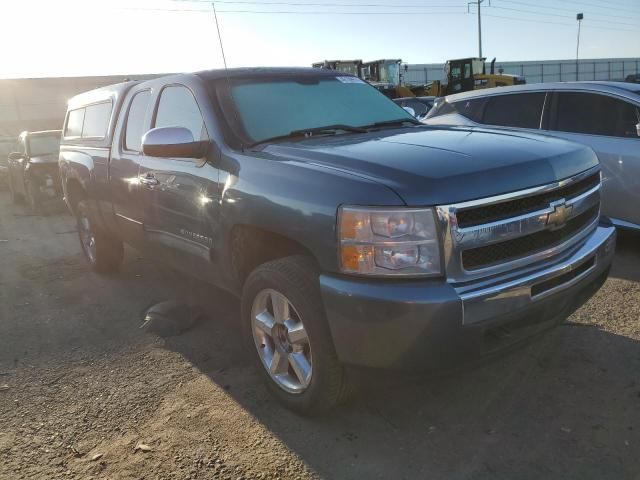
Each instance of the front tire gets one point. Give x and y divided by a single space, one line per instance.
285 327
104 252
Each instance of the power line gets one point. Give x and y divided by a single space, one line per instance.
560 16
299 4
560 9
285 12
558 23
352 13
603 6
334 4
308 12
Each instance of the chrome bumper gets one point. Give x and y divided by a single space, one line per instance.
485 300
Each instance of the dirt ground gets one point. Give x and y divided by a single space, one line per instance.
81 386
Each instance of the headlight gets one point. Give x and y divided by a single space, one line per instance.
388 241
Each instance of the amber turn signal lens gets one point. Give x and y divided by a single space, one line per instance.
353 225
354 256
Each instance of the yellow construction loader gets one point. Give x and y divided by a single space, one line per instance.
469 74
462 75
354 67
386 76
382 74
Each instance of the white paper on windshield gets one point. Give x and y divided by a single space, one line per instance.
349 80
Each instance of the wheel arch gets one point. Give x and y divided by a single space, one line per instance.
252 246
74 192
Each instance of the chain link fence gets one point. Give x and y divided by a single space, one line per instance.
539 72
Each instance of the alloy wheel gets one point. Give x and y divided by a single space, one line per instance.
281 341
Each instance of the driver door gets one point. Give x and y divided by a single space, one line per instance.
180 194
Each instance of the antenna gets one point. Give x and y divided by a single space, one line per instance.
215 16
226 70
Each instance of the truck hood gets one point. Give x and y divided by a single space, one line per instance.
435 166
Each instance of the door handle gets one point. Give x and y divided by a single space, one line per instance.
148 180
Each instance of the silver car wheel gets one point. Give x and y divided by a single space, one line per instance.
281 341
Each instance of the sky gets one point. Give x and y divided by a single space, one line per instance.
98 37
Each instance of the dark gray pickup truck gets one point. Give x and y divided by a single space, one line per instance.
353 234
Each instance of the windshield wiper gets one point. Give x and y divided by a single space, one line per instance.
310 132
393 123
329 129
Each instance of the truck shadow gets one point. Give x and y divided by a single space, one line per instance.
565 406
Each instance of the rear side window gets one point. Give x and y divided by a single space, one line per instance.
595 114
96 120
178 108
75 119
472 109
136 121
89 122
522 110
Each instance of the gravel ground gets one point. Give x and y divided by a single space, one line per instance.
85 393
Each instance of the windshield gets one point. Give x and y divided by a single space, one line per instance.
350 68
43 144
478 66
268 109
390 73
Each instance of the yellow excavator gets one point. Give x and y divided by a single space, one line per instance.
466 74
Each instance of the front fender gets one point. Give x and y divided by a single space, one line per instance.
295 200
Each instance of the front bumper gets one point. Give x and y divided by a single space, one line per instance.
434 324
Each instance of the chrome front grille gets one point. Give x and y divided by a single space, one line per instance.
498 234
482 214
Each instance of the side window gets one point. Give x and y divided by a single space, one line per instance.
96 120
628 119
178 108
136 121
75 119
472 109
595 114
518 110
467 70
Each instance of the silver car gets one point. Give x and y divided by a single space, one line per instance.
602 115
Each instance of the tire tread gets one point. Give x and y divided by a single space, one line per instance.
109 250
301 272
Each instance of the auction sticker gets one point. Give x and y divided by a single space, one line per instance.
349 80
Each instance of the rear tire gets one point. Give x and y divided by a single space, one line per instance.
294 352
104 252
33 199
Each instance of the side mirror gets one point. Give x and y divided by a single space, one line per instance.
410 111
15 156
173 142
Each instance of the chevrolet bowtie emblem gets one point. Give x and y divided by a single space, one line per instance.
561 213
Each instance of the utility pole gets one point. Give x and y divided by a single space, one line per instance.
579 18
477 3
